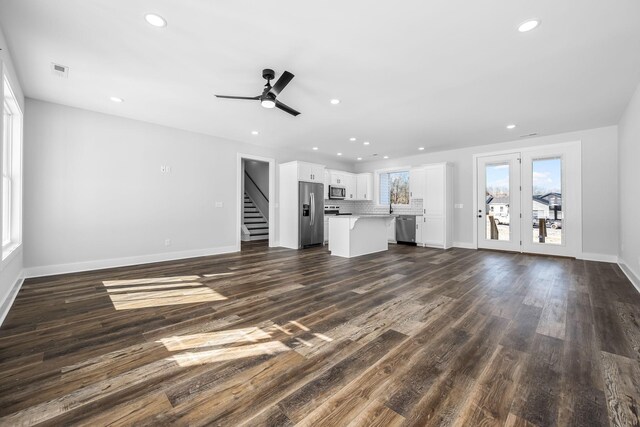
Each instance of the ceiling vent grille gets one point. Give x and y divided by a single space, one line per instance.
61 71
529 135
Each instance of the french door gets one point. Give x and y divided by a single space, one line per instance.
499 202
530 201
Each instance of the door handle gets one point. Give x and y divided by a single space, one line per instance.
313 208
479 216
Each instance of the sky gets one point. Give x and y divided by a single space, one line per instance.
546 176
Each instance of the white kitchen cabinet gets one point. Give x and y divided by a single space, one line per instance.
346 180
436 222
326 229
327 182
419 230
364 186
391 231
310 172
417 183
350 186
337 177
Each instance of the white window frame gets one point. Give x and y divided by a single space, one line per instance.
11 171
376 183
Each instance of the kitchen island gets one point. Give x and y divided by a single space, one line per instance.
355 235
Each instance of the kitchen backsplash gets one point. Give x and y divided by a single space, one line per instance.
369 207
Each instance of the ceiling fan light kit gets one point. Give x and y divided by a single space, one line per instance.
270 93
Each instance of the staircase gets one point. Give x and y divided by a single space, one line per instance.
254 222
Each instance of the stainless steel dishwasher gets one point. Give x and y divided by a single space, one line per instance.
406 229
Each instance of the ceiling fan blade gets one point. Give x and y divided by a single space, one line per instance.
283 81
238 97
286 108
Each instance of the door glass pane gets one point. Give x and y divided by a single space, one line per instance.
547 200
497 201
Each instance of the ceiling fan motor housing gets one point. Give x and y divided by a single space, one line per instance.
268 74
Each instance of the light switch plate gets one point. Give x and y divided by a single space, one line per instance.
219 204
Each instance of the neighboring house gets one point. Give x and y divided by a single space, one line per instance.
543 206
498 206
546 205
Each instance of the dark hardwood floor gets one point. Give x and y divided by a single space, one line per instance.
411 336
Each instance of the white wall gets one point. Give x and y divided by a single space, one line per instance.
629 180
600 186
10 269
259 172
95 195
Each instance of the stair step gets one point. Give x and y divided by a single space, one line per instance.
254 220
251 210
252 215
257 226
258 233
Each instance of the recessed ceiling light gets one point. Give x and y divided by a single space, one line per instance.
352 139
420 148
335 101
366 143
116 99
528 25
155 20
385 157
254 132
511 126
359 158
339 154
315 148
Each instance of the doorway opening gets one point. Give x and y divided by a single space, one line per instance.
255 200
256 207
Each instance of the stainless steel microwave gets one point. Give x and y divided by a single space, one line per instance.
337 192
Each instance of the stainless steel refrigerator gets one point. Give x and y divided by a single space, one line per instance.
310 214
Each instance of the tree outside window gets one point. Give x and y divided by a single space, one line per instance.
394 188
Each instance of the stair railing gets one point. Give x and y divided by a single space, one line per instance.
257 196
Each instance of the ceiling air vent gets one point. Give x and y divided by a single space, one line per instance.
61 71
529 135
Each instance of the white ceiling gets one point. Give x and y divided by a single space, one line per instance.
438 74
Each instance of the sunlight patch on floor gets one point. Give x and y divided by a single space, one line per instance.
150 280
228 353
158 292
214 339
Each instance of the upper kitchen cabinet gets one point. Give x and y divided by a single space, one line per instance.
417 182
346 180
337 177
327 182
310 172
350 184
364 186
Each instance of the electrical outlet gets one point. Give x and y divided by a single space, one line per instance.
163 168
167 242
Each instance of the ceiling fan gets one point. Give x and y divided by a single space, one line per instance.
268 97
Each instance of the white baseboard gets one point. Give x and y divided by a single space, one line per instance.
598 257
463 245
8 302
633 277
49 270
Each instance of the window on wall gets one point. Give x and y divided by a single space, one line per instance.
394 188
11 170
